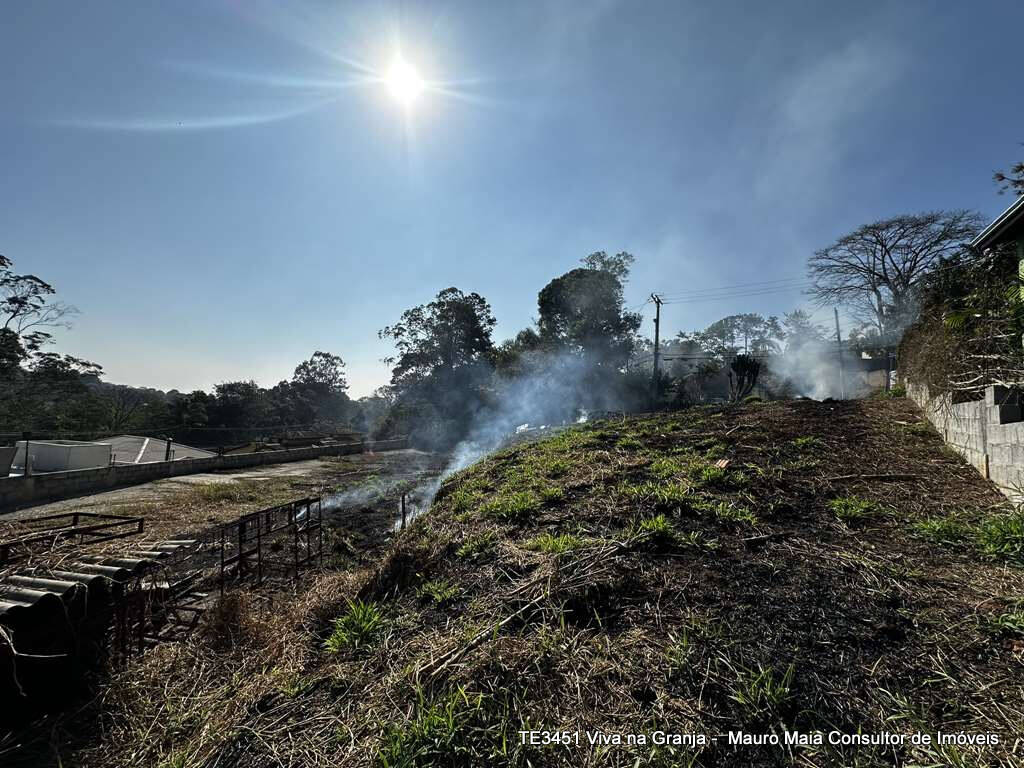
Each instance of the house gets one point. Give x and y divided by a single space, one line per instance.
59 455
1006 228
134 449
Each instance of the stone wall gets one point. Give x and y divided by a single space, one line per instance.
16 492
988 433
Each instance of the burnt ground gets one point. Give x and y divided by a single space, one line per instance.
771 567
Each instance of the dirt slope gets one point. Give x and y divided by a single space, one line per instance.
796 566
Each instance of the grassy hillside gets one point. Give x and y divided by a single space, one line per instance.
781 566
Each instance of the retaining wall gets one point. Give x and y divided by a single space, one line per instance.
988 433
16 492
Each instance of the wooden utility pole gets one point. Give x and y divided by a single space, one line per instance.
839 351
657 348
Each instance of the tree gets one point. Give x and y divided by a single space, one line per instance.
743 376
748 333
877 269
27 307
1012 180
582 312
798 330
238 404
617 265
450 333
443 362
322 371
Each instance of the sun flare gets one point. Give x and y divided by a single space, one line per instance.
404 82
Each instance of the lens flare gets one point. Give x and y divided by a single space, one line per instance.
404 82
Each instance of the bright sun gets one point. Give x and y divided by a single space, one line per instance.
404 82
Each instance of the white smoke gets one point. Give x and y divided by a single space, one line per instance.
559 390
813 370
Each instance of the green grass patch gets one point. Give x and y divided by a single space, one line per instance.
853 509
463 500
943 530
762 692
657 526
667 468
511 507
727 511
709 475
664 494
807 442
697 540
438 591
437 734
1002 537
357 628
552 494
679 653
478 546
1010 623
629 444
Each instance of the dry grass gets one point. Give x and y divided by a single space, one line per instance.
673 608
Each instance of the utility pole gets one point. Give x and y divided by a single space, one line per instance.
657 348
839 351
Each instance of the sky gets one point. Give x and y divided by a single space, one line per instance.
223 187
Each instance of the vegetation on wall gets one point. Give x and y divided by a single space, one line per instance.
968 335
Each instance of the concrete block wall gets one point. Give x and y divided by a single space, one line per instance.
18 492
988 433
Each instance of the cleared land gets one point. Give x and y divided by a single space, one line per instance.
780 566
192 506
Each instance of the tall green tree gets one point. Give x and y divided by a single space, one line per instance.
582 312
323 371
443 361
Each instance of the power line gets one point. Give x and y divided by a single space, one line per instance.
755 284
764 287
740 294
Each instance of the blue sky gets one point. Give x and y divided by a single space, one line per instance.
220 190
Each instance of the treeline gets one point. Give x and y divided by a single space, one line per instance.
52 395
447 372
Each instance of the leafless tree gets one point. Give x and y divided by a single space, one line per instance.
875 270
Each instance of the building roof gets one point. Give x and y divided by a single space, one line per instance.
1006 224
132 449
